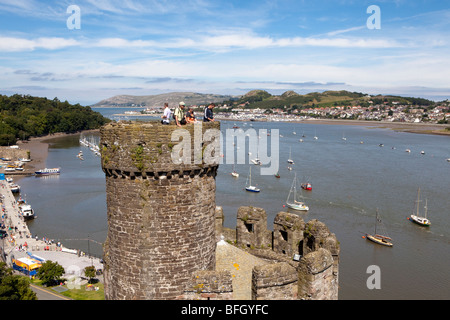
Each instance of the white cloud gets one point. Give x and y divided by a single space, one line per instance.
11 44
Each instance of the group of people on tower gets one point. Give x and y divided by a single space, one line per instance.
182 117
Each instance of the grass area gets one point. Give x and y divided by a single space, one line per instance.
83 294
78 294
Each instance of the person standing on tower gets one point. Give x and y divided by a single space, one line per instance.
208 115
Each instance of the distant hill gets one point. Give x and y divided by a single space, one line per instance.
190 98
25 116
263 100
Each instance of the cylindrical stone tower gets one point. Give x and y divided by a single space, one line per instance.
161 213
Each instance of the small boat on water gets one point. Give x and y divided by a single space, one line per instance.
379 238
416 218
26 211
290 161
294 204
248 186
256 162
234 173
277 175
15 188
306 186
47 171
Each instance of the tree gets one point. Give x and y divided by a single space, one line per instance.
90 273
25 116
14 287
50 273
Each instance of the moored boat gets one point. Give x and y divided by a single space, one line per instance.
249 187
15 188
378 238
26 211
294 204
290 161
416 218
306 186
47 171
234 173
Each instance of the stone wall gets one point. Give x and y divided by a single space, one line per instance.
276 281
251 228
209 285
288 232
161 215
316 280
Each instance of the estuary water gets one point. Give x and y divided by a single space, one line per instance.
351 179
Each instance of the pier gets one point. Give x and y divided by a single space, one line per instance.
19 242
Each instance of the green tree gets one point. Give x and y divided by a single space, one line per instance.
90 273
50 273
14 287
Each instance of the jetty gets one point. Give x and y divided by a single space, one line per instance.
18 241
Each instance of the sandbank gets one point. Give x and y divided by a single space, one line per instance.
423 128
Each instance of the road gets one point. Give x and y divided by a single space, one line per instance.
47 294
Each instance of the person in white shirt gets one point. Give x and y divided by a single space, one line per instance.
166 116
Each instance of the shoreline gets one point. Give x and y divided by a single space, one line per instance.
38 147
420 128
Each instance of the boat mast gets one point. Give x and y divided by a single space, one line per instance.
290 191
426 207
376 222
418 200
295 187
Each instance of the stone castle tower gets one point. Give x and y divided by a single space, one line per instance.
161 215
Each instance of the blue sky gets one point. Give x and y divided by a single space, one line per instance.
224 47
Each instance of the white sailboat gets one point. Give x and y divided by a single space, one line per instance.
416 218
249 186
294 204
234 173
290 161
257 161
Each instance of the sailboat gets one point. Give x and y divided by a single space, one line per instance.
257 161
378 238
294 204
248 186
234 173
416 218
290 158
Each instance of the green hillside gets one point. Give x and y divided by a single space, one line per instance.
24 116
263 100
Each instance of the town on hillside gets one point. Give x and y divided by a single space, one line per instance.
352 106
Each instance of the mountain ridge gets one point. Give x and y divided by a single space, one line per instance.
258 99
158 100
